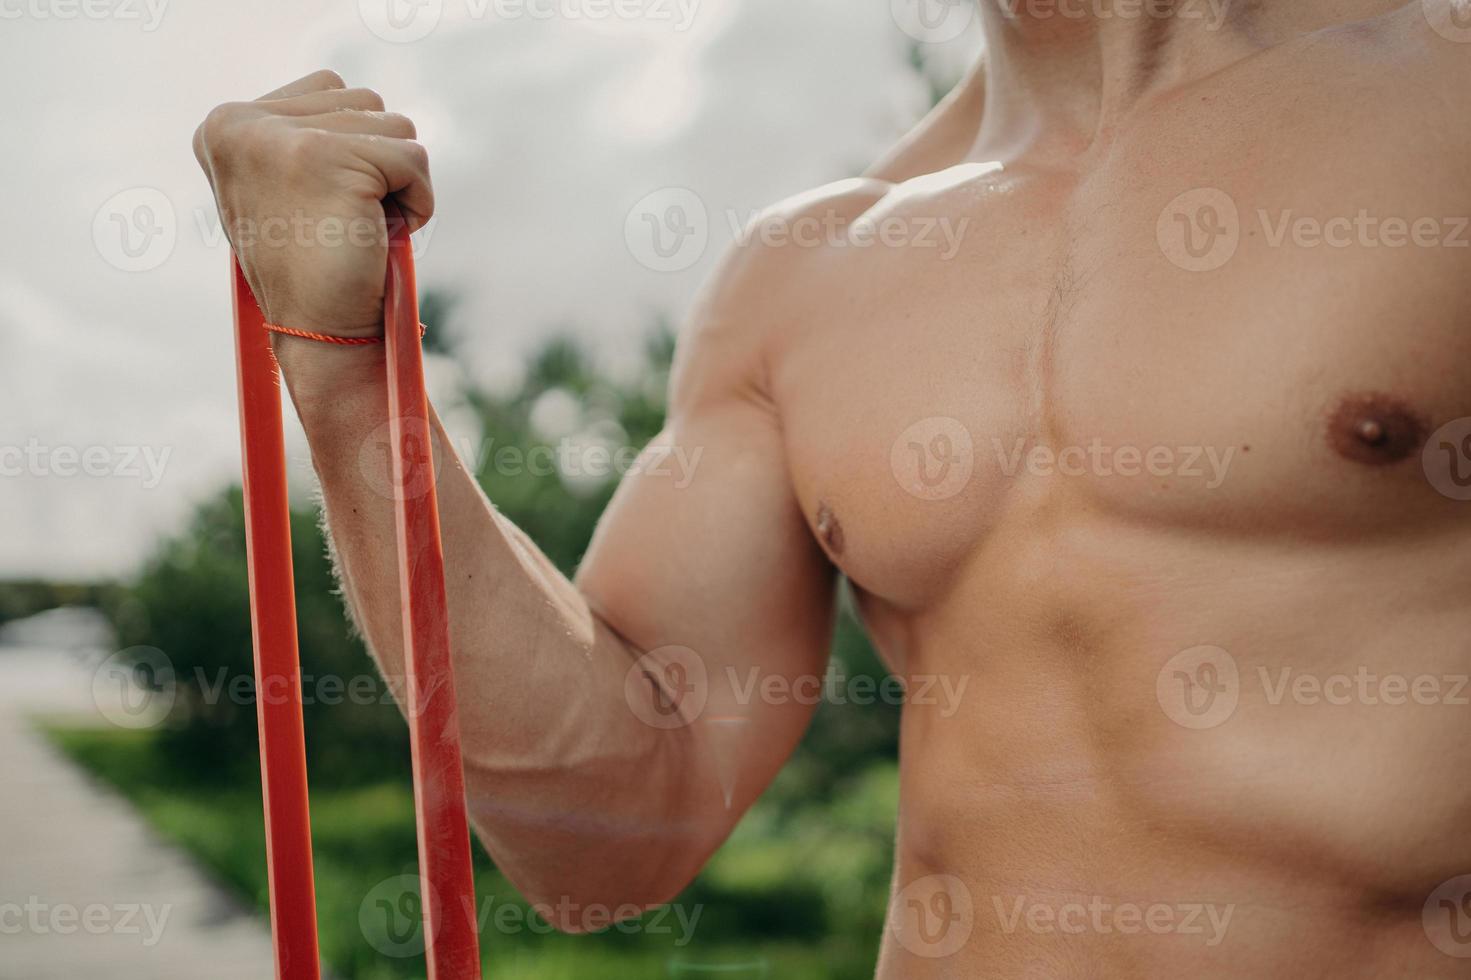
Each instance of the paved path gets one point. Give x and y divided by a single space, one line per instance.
86 889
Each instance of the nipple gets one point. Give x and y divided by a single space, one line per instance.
1375 429
828 529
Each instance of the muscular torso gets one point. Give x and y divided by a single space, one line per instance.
1157 498
1176 531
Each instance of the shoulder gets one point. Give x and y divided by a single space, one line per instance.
781 269
777 264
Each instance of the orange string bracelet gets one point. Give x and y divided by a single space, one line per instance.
327 338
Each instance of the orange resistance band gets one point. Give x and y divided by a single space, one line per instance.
447 885
328 338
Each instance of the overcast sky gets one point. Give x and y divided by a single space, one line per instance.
548 123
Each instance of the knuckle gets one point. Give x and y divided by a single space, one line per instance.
372 99
327 78
418 155
401 125
306 148
216 137
217 122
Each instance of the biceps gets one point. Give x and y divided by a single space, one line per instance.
705 547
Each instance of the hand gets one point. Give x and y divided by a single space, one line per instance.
298 176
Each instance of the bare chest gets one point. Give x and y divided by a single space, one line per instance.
1236 346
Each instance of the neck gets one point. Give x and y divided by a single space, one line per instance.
1060 74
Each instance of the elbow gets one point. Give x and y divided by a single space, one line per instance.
588 847
593 886
580 908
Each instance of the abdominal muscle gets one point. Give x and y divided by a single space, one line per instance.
1262 775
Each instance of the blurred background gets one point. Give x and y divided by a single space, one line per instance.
591 159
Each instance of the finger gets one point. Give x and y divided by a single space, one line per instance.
328 100
404 167
366 123
315 82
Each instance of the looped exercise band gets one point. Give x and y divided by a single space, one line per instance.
445 876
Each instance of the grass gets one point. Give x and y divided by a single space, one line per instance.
793 895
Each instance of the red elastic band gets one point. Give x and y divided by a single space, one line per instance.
328 338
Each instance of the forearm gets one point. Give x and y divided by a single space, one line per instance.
576 781
567 787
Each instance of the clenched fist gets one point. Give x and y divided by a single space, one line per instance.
298 176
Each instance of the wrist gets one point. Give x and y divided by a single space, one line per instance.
327 378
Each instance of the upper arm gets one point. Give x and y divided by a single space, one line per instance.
704 547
